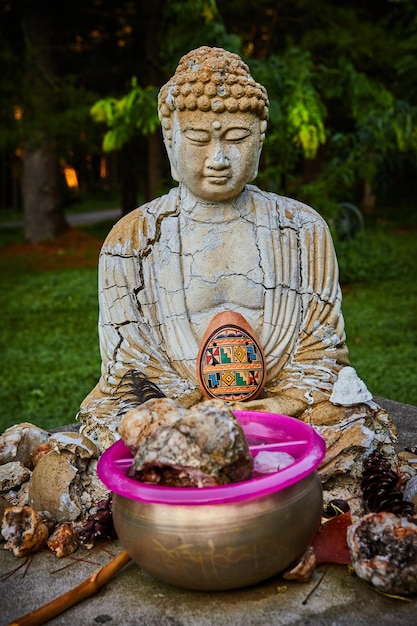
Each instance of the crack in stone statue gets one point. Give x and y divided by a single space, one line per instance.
217 243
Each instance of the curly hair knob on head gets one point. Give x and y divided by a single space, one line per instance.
212 79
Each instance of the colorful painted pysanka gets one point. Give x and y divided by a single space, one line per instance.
231 362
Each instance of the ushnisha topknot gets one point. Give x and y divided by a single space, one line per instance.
211 79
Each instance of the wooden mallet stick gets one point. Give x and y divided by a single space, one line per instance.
84 590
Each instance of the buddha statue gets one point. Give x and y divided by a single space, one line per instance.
216 243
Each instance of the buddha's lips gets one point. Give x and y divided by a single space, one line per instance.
218 179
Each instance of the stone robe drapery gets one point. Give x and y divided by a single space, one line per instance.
144 324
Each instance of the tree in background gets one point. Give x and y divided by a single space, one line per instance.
338 77
341 79
130 122
41 189
46 108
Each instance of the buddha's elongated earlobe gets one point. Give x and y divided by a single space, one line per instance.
172 161
262 130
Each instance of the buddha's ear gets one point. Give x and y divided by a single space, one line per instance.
167 135
256 167
262 129
172 160
170 131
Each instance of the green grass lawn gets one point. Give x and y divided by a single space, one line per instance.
49 345
378 273
382 338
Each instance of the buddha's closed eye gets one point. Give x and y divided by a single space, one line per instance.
197 135
237 134
203 136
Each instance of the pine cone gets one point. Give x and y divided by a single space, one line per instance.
135 389
99 525
380 487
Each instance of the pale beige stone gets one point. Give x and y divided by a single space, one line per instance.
13 475
75 443
52 490
18 442
19 497
64 486
350 390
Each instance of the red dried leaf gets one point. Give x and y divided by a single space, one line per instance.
329 543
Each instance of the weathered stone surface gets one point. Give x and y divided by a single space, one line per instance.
13 475
65 486
64 540
52 489
23 530
3 505
18 442
73 442
383 547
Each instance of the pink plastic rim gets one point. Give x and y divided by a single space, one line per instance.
298 439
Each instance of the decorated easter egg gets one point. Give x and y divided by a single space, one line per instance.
231 363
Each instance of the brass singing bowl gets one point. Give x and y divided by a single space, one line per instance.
218 538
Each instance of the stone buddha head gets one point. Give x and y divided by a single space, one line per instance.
214 117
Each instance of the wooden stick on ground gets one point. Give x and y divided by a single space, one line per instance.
84 590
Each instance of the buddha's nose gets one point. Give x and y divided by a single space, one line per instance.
219 160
